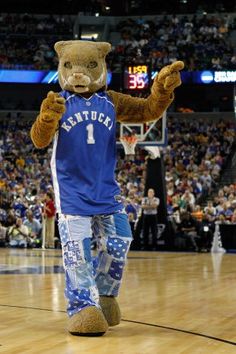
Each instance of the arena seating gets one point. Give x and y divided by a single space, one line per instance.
194 161
27 41
203 42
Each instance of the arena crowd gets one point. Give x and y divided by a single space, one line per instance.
203 42
194 159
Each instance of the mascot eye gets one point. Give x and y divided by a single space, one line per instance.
68 65
92 65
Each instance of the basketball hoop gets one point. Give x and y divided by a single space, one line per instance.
129 143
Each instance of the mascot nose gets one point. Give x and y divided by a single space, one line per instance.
78 78
78 75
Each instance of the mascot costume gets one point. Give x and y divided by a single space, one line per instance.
81 121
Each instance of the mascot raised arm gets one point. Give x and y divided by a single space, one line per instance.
81 121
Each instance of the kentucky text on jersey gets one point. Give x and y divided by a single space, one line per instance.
84 157
86 116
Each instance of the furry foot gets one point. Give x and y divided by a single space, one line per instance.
88 322
110 309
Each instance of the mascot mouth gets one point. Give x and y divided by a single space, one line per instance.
79 82
80 88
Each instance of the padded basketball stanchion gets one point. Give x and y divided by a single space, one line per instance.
155 178
153 151
216 243
129 143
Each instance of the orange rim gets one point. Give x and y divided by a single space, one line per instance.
129 139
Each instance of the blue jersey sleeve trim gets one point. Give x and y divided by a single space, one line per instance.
70 97
66 94
103 97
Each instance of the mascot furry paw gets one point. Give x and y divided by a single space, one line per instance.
81 121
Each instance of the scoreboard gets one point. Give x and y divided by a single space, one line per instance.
136 77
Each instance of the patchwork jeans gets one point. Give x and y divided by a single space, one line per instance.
87 277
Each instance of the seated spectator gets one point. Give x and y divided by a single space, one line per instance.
34 228
187 230
18 234
19 207
189 199
227 211
37 207
210 209
197 213
206 231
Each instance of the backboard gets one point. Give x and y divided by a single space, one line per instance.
148 134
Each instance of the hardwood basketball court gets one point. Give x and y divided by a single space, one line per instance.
171 303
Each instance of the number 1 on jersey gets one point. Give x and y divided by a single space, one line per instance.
90 139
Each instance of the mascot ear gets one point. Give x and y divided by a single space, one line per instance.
104 48
59 46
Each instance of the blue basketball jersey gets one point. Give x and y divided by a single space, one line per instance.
84 157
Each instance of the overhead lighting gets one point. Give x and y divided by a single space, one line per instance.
89 36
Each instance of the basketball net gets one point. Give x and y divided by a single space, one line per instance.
129 143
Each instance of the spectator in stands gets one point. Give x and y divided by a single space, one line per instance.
220 205
189 199
210 209
19 207
227 211
206 231
18 234
36 207
197 213
33 225
188 230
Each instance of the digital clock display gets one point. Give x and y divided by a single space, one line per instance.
136 77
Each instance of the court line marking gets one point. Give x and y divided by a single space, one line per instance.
137 322
182 330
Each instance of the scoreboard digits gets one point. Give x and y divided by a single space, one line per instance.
136 81
136 77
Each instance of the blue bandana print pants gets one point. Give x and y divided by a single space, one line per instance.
88 277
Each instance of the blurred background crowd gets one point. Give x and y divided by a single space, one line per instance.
194 160
202 42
